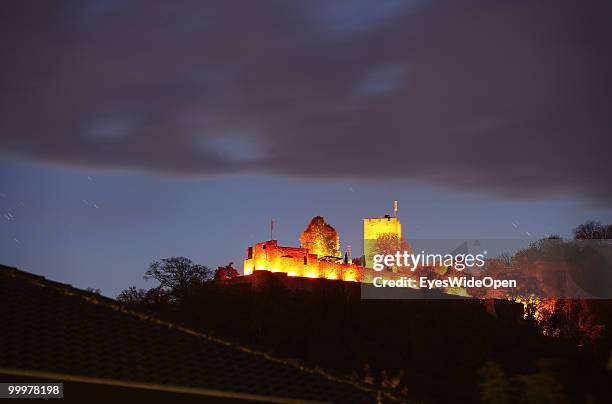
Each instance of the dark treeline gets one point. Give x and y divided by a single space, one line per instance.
432 351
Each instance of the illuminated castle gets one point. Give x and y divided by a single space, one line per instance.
385 228
374 228
320 255
269 256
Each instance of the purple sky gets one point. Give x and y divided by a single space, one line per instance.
132 131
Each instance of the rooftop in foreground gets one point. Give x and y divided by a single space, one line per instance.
54 331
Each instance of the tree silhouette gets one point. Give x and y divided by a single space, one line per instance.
154 299
132 295
593 231
177 274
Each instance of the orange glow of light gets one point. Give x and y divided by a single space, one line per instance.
297 262
457 292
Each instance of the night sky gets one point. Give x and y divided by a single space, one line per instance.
132 131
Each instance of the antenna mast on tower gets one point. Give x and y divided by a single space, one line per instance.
395 208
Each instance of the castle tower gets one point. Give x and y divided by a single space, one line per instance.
386 230
374 228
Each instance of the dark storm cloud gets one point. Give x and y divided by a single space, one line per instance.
510 98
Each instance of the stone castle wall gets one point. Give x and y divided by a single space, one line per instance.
297 262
